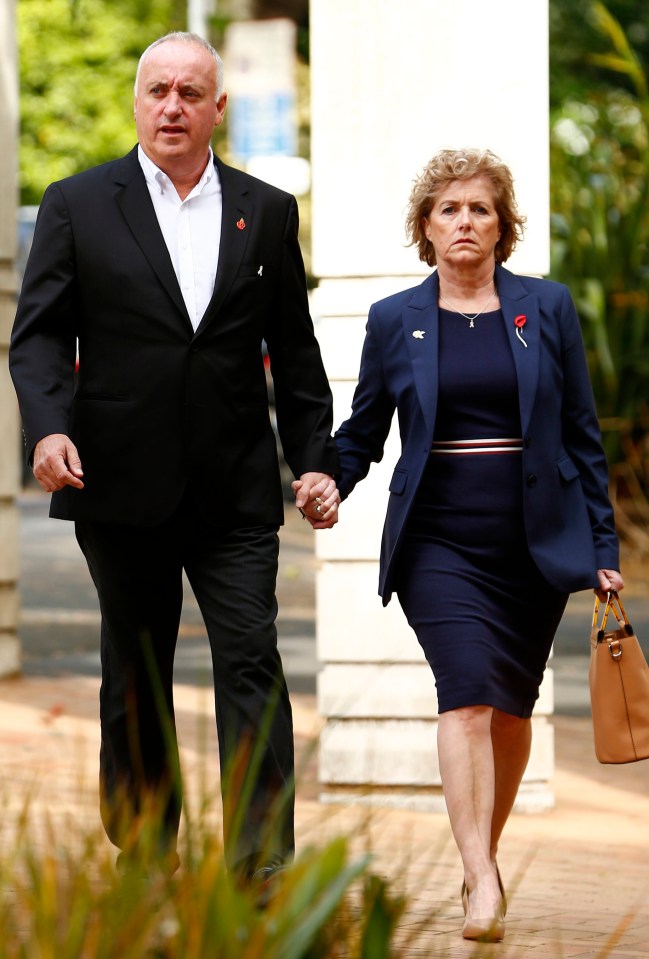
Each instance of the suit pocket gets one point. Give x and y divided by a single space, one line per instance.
255 270
398 481
567 469
83 397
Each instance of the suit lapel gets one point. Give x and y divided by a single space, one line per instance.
516 302
421 316
236 225
137 209
421 330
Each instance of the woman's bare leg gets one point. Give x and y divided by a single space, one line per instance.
467 767
511 739
483 753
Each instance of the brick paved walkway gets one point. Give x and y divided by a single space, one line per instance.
577 878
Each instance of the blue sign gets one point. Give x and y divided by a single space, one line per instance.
262 125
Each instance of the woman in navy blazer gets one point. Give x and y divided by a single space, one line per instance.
498 504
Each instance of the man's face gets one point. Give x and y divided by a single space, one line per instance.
175 106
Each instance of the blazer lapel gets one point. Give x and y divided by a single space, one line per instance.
421 330
135 203
236 224
516 302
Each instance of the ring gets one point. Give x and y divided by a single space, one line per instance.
318 509
318 500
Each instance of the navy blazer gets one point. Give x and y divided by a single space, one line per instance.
567 512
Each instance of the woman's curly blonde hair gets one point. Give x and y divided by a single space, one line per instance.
449 165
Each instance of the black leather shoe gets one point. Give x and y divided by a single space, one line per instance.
263 882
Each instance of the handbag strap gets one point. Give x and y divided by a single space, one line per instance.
614 604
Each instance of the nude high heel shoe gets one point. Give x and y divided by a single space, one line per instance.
485 928
464 894
502 891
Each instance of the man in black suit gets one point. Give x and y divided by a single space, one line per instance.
167 269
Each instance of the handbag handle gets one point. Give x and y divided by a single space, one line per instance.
613 603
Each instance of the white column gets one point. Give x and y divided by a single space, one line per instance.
390 86
198 13
9 428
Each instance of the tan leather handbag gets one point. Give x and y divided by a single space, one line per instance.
619 688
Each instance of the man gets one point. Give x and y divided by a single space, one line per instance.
168 269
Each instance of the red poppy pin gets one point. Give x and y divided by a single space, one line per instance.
519 323
241 224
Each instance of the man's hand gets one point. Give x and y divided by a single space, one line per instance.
57 463
317 498
609 579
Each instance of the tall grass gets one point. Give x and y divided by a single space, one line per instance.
63 898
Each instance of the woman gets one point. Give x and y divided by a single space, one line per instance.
499 506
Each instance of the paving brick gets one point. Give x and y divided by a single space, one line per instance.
577 876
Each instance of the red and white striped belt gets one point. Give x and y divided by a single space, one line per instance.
498 445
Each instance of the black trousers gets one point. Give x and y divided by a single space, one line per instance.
138 575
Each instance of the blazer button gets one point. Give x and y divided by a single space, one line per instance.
531 480
527 442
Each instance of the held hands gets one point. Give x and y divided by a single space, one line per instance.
317 498
609 579
57 463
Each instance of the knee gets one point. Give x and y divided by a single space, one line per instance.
506 726
471 721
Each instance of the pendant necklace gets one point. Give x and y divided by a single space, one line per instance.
475 316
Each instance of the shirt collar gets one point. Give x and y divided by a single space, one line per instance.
158 179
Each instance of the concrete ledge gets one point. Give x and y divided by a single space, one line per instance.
533 798
386 752
9 534
391 691
9 607
417 800
9 655
403 752
374 691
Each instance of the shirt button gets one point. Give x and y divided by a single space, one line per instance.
531 480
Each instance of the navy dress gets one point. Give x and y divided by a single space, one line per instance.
483 613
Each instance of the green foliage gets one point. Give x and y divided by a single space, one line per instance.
69 902
600 232
77 65
63 898
575 34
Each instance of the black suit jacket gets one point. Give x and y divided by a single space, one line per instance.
156 406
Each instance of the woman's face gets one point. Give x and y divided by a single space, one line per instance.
463 225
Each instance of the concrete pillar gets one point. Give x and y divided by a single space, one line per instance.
9 427
391 84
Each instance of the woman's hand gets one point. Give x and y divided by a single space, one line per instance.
317 498
609 579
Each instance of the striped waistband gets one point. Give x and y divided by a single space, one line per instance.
499 445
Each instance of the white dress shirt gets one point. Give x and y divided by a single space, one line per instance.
191 229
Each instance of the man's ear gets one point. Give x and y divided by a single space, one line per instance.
220 109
